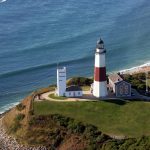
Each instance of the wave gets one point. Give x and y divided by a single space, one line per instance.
51 45
7 107
21 71
135 68
2 1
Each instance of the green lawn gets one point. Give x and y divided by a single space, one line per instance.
130 119
53 96
85 88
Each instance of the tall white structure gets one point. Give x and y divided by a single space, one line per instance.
61 81
100 81
62 90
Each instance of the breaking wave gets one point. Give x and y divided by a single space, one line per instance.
2 1
8 106
134 68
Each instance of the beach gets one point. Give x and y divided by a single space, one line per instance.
138 69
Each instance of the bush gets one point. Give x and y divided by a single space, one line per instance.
32 121
137 80
127 143
90 130
76 127
15 126
80 81
20 107
110 145
60 120
19 117
31 112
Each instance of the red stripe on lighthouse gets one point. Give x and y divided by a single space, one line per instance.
100 74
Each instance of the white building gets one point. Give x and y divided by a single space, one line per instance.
61 81
62 90
73 91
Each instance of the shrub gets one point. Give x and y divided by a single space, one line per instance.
80 81
127 143
19 117
76 127
90 130
32 121
31 112
61 120
20 107
15 126
110 145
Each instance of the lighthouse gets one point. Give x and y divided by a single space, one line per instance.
100 83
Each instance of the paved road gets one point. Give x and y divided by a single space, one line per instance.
139 96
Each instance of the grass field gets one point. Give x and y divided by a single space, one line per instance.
53 96
85 88
130 119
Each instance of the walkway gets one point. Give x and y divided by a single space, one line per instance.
45 96
87 96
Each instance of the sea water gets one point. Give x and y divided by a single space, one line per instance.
36 35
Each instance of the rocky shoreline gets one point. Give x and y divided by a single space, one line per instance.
9 143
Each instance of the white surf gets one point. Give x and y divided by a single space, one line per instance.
2 1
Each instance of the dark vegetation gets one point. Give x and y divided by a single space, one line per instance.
80 81
137 81
16 123
54 130
63 132
20 107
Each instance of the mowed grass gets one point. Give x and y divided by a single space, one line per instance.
85 88
131 119
53 96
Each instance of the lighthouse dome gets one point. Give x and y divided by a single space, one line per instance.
100 41
100 44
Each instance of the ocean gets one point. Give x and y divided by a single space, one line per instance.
36 35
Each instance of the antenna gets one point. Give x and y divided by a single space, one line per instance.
57 65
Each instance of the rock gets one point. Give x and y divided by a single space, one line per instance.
10 143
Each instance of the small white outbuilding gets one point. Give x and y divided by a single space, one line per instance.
73 91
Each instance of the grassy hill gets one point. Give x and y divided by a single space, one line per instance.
80 125
123 119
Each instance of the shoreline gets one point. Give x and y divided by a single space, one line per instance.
2 113
137 69
133 70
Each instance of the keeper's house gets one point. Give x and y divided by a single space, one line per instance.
118 86
73 91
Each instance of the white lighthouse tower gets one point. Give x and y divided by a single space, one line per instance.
61 81
100 83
